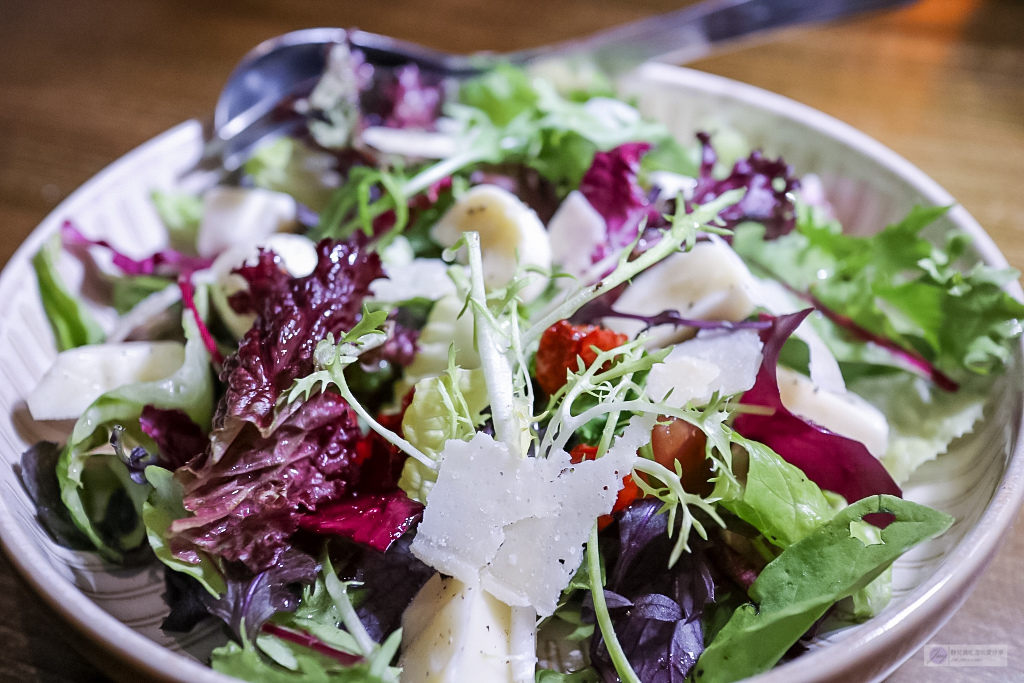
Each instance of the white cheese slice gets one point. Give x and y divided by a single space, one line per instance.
79 376
846 414
239 215
518 525
672 184
422 278
576 231
511 236
709 282
696 369
409 142
453 633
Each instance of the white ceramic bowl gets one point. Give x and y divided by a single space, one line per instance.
116 612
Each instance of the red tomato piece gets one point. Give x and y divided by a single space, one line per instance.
563 343
679 441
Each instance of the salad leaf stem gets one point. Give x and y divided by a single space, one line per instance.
333 359
338 590
604 619
672 238
494 363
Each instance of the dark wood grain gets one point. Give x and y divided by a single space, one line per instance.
82 82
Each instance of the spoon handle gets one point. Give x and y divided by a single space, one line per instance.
695 31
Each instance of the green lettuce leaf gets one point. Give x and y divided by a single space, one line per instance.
777 498
290 663
899 285
181 214
290 166
130 290
442 408
923 420
587 675
799 586
189 389
70 320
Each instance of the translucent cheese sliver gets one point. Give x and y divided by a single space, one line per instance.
518 526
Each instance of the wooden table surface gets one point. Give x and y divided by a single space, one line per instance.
84 81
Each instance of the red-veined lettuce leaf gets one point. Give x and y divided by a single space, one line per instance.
831 461
769 185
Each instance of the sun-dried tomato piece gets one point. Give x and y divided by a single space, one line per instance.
563 344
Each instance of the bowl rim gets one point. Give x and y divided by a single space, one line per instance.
949 585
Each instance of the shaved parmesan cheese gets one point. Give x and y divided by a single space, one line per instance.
80 376
709 282
672 184
422 278
576 231
409 142
453 632
517 526
694 370
846 414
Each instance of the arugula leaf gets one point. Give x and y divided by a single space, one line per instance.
71 322
799 586
900 286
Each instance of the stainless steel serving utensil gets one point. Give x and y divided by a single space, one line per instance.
287 67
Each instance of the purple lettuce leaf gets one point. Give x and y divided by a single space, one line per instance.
612 188
293 314
639 524
178 439
831 461
247 503
37 471
402 97
374 520
769 185
187 599
655 613
390 581
164 263
251 600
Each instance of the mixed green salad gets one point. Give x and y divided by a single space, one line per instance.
502 382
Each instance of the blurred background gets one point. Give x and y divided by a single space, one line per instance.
84 81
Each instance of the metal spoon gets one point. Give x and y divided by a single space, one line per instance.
287 67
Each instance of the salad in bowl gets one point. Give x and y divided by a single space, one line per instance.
506 383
